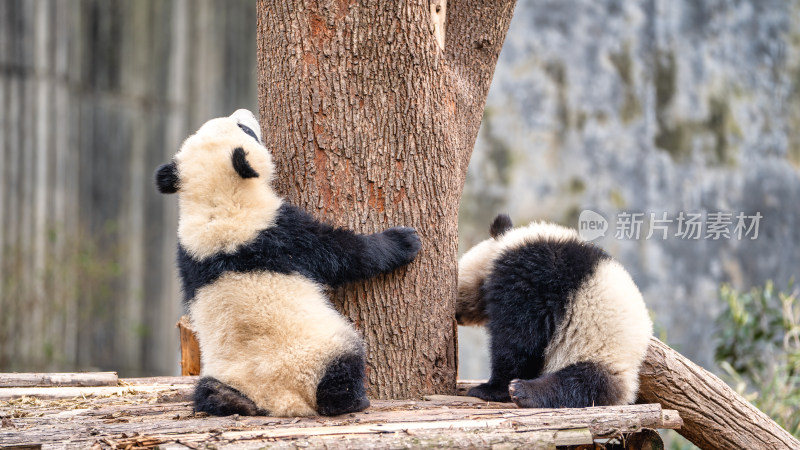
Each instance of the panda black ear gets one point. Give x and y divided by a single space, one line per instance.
167 178
240 164
501 224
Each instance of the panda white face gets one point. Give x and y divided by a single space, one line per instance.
222 175
208 161
209 157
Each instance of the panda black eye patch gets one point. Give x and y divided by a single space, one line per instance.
247 130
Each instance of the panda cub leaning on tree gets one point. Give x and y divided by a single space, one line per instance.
253 269
567 325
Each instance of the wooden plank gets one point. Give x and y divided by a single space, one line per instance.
146 410
671 419
154 381
51 393
185 428
8 380
454 399
604 420
578 436
158 411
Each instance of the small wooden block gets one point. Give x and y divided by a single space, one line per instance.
190 348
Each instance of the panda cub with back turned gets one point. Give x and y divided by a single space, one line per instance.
253 269
568 327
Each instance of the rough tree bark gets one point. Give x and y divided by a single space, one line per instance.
372 125
714 415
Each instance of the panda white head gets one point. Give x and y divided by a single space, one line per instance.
222 175
473 267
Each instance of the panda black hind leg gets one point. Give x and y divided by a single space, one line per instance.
578 385
217 398
341 389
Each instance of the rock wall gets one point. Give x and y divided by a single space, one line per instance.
649 106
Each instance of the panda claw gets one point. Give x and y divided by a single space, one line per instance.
519 394
490 393
512 387
406 241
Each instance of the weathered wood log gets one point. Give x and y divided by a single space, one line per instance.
395 423
53 393
646 439
190 348
714 415
8 380
155 381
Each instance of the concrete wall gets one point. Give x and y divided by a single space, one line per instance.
95 94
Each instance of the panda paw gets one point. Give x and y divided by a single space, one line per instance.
520 394
490 392
406 242
217 398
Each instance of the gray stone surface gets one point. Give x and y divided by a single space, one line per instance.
649 106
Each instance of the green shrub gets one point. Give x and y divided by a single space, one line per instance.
758 348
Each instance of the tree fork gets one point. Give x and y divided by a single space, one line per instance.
372 124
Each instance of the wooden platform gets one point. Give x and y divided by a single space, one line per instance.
148 412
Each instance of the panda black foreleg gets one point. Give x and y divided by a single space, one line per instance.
515 352
341 389
351 257
217 398
492 391
503 371
391 249
508 362
578 385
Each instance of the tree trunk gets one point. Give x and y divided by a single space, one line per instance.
714 415
372 124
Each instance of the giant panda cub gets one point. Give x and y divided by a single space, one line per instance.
568 328
254 270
